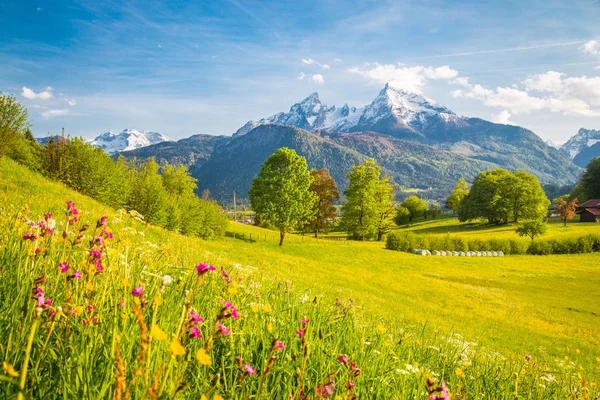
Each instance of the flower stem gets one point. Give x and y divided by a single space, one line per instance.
27 357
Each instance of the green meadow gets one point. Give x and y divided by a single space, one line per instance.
544 306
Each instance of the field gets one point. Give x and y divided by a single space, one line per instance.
504 308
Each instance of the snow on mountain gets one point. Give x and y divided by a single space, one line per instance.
398 107
128 139
584 139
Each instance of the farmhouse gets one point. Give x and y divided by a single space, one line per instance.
589 211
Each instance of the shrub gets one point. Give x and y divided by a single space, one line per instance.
400 241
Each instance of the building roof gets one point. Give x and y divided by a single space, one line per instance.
593 211
595 203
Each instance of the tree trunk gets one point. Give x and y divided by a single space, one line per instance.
316 233
565 221
379 236
281 237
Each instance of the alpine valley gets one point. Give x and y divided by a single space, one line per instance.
423 145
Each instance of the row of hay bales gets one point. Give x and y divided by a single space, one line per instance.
459 253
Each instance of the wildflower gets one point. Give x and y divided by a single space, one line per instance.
71 208
99 266
37 250
98 241
77 275
29 236
63 266
304 321
267 308
381 329
230 306
203 358
460 373
137 291
107 234
350 385
223 329
157 333
176 348
95 254
343 359
195 332
101 221
225 275
249 369
254 308
203 268
167 280
270 327
195 318
300 332
9 369
279 345
527 357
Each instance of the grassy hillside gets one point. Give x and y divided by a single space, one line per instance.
543 306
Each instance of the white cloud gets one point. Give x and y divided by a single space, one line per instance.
325 67
32 95
71 102
55 113
408 78
592 47
503 117
597 68
318 78
337 59
301 76
552 91
308 61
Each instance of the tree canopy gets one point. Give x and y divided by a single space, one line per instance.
565 208
280 192
531 229
323 186
13 122
501 196
590 180
457 195
369 208
416 207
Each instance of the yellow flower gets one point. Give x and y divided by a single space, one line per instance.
467 364
203 358
176 347
203 397
381 329
232 290
254 308
9 369
158 300
89 286
78 310
460 373
270 327
267 308
598 359
566 358
338 398
126 282
217 397
578 351
157 333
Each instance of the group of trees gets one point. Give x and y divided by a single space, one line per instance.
588 186
162 194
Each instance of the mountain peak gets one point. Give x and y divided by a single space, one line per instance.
128 139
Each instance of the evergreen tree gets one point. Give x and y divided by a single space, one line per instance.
590 180
280 192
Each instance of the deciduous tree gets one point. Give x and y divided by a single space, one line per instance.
415 206
565 208
13 122
531 228
323 186
457 195
280 192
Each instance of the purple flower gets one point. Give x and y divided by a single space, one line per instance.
279 345
95 254
29 236
304 321
230 306
99 266
101 221
77 275
249 369
63 266
107 234
137 291
195 332
203 268
195 318
300 332
343 359
223 329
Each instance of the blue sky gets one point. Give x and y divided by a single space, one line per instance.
183 68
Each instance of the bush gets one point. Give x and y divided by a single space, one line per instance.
400 241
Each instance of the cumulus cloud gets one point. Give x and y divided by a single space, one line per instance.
71 102
318 78
405 77
325 67
32 95
552 91
503 117
308 61
55 113
592 47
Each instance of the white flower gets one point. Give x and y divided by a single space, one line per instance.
167 280
51 223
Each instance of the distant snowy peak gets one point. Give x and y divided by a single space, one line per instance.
397 107
584 139
128 139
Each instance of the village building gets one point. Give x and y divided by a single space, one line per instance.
589 211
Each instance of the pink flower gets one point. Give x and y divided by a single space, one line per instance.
527 357
29 236
195 318
343 359
223 329
137 291
279 345
230 306
225 275
101 221
249 369
350 385
95 254
195 332
77 275
304 321
63 266
48 216
300 332
99 266
203 268
37 250
107 234
98 241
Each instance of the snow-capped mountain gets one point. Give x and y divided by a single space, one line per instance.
393 110
584 139
128 139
